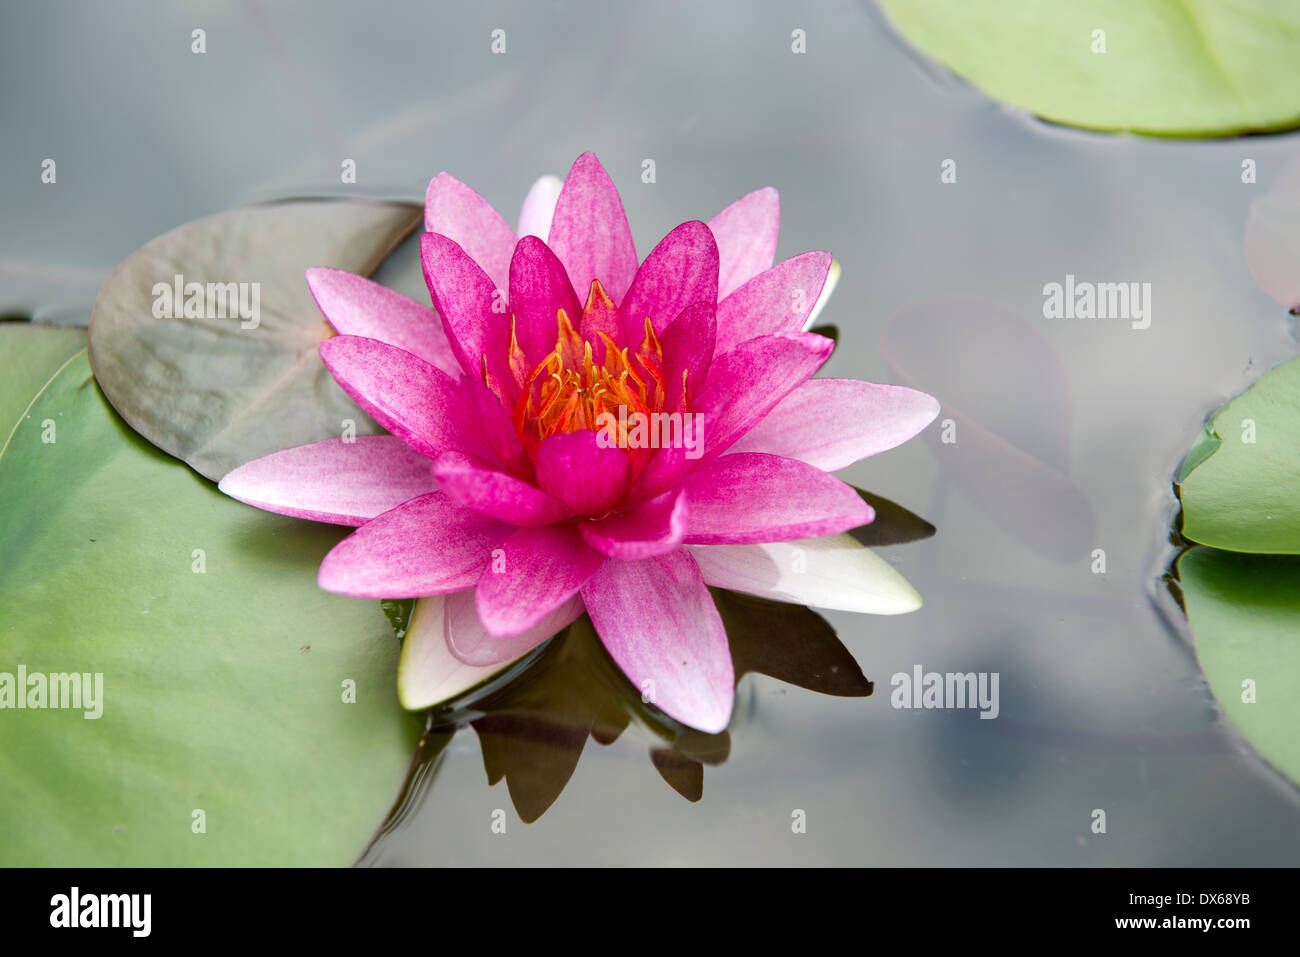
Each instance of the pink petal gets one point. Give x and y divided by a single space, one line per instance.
355 306
680 271
599 314
454 210
477 485
499 431
831 423
539 289
536 571
664 472
346 483
688 345
539 207
750 497
778 300
589 231
574 468
469 641
427 546
746 232
418 403
746 383
653 527
658 622
472 306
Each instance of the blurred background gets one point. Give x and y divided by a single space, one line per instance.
1068 431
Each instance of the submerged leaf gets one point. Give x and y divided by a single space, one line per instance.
218 392
1010 456
1272 239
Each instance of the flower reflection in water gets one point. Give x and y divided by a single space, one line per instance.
533 720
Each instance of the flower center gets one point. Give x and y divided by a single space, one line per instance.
585 377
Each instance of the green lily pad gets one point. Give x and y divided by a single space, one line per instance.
224 667
1244 612
1164 67
218 392
1238 485
31 354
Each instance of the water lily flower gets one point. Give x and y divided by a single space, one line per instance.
505 490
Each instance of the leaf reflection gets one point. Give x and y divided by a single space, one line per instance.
893 524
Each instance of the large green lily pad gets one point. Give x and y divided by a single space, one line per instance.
1244 611
1239 485
223 692
1169 67
218 392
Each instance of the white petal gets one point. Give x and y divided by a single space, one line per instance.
469 641
835 571
427 672
539 207
832 278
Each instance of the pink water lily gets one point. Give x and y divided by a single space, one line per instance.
505 498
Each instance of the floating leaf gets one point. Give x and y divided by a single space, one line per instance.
32 354
218 392
1167 67
1239 484
224 666
1244 612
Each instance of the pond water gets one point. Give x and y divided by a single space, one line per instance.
1068 431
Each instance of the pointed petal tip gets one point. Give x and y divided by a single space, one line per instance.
833 273
712 717
903 599
837 572
229 483
933 406
538 209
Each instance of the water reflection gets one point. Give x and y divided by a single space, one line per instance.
533 722
1012 458
532 731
